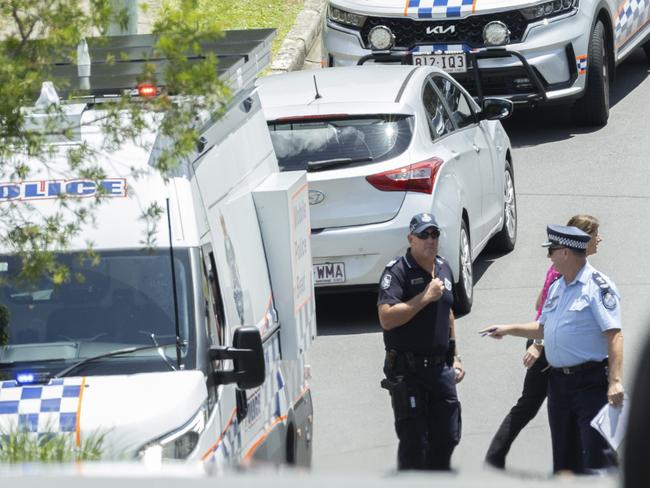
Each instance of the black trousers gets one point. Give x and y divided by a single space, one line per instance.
529 403
573 401
430 429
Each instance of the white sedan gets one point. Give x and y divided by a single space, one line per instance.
382 143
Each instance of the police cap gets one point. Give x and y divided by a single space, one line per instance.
566 236
422 221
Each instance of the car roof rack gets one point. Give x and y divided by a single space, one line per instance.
118 61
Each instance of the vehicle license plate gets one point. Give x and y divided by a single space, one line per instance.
329 273
449 62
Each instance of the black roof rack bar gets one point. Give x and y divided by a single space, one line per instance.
241 55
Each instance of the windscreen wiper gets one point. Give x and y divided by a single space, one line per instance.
116 352
332 163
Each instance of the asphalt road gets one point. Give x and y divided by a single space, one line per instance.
560 170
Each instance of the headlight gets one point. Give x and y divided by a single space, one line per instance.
178 444
381 38
550 9
346 18
496 33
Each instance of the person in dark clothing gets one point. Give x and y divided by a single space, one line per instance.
422 366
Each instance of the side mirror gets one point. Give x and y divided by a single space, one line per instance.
247 355
496 109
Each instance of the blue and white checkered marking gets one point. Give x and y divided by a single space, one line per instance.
40 408
631 16
566 241
581 62
441 48
428 9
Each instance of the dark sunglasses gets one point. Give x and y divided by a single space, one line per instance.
554 248
424 235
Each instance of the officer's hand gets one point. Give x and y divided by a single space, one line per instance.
615 393
434 290
532 354
459 371
494 331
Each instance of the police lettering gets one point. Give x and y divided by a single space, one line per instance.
49 189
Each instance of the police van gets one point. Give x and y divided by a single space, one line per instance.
530 51
193 347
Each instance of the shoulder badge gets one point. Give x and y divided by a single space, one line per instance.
447 284
385 281
606 296
609 300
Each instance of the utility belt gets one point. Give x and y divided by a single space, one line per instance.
409 362
580 367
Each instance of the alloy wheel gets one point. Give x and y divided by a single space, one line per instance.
466 263
510 207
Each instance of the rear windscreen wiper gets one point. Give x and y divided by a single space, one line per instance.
116 352
331 163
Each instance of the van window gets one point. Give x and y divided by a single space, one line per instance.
116 299
334 142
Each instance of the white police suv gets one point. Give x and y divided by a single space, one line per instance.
528 51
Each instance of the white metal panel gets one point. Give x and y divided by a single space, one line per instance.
283 210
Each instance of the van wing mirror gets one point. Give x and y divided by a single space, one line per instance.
247 355
496 109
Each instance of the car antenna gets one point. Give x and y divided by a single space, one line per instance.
318 95
174 293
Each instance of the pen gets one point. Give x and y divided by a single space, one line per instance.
488 332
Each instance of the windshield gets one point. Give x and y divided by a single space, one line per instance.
113 300
350 140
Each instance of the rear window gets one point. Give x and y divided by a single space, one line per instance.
321 144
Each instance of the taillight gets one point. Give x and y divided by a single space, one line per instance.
147 90
418 177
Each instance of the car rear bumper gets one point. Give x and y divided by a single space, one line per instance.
365 250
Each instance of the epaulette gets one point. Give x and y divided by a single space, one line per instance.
600 281
391 263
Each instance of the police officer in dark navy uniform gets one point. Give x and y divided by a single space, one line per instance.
581 327
422 366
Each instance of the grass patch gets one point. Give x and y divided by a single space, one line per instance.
251 14
20 446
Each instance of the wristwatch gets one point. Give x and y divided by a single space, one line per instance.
538 342
457 358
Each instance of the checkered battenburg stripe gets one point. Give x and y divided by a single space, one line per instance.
631 16
565 241
442 48
40 408
581 62
426 9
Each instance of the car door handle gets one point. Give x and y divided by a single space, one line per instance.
455 155
476 148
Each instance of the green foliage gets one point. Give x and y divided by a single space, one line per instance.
21 446
251 14
4 325
36 34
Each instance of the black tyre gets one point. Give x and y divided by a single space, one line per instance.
646 48
593 107
504 241
464 289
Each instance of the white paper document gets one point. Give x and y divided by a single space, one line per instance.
611 422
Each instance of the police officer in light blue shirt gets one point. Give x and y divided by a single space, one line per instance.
581 328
